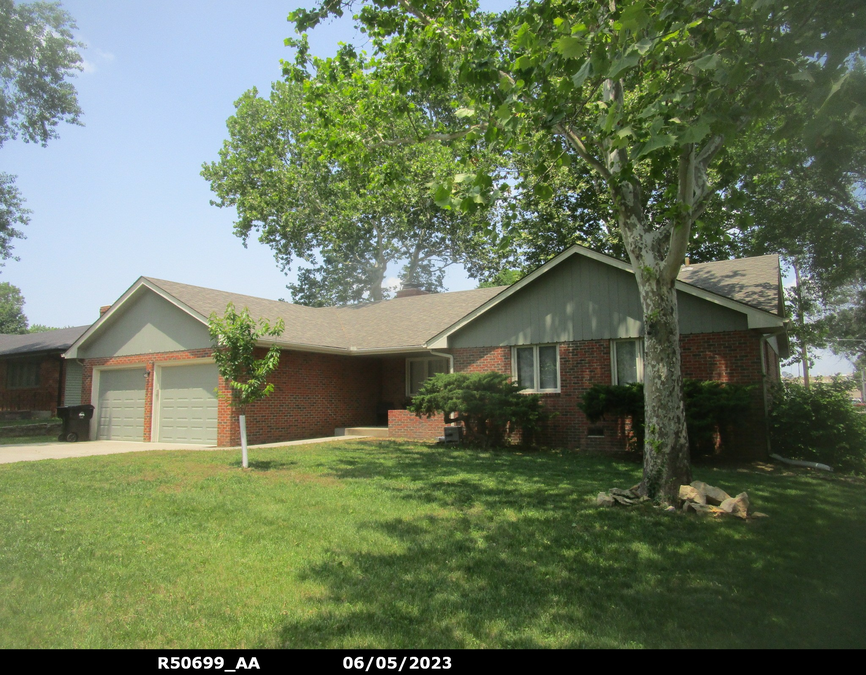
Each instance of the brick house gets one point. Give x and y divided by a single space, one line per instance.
573 322
33 373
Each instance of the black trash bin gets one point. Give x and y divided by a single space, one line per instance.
76 422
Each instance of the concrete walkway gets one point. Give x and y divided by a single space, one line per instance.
31 452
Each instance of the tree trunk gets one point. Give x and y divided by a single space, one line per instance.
666 463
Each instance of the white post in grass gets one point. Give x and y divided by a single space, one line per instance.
244 458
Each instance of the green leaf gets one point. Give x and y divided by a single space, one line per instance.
708 62
656 142
543 191
442 195
569 47
464 112
634 17
694 133
580 76
630 60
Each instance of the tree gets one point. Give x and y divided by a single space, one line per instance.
235 338
348 219
12 319
645 93
37 55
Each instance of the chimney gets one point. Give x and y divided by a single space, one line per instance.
408 290
104 309
688 261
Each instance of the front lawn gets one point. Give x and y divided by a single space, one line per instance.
400 545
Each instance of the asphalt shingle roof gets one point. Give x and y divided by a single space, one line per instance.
31 343
401 322
752 281
412 321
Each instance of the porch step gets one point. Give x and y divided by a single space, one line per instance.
375 432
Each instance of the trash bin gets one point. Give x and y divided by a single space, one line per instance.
76 422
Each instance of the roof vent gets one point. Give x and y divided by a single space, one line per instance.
408 290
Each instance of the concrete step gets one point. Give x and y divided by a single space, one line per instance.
375 432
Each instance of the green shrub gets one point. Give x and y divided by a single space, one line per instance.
711 408
489 405
818 424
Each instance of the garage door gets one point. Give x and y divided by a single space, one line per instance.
121 405
188 404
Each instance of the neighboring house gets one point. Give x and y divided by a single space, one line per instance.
33 374
574 322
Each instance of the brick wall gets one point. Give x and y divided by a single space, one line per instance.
313 394
41 397
733 357
404 424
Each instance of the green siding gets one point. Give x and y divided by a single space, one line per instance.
72 385
147 324
583 299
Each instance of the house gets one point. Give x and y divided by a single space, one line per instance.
573 322
33 374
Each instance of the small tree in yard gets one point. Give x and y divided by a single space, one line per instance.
234 338
489 405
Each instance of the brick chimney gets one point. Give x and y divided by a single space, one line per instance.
408 290
104 309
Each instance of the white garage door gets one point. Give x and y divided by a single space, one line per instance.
188 404
121 405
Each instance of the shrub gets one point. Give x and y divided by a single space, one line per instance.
489 405
711 408
819 424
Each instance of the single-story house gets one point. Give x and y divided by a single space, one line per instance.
33 373
575 321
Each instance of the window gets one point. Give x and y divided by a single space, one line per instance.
536 368
22 374
419 370
627 361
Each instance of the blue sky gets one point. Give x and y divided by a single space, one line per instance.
122 197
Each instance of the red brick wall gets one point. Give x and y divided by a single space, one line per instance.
313 395
727 357
42 397
404 424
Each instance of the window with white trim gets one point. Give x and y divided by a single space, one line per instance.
536 368
418 371
626 361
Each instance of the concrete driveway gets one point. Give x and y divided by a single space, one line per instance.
29 452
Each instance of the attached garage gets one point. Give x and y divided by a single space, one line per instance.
187 403
120 405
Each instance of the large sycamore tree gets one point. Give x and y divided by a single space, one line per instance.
644 93
348 216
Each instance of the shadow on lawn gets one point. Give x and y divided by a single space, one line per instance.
514 553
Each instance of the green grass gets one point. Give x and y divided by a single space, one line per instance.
398 545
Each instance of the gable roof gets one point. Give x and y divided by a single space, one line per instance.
753 281
401 324
34 343
749 281
422 322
